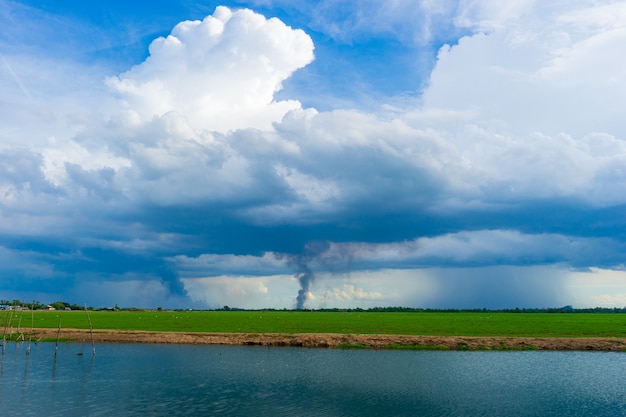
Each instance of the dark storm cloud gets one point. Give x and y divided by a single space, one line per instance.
198 171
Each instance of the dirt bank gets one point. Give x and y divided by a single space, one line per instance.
328 340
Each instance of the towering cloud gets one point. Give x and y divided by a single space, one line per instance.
221 73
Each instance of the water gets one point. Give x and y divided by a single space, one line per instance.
182 380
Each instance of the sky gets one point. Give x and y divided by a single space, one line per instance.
313 154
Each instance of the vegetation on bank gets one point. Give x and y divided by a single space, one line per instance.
426 323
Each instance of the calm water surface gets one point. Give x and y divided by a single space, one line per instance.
182 380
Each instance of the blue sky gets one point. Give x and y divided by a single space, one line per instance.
281 154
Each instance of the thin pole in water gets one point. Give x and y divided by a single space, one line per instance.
56 347
4 337
32 326
93 345
19 324
7 324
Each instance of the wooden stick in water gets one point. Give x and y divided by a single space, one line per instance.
32 326
4 337
93 345
6 329
19 324
56 347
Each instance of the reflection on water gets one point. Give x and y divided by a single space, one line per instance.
159 380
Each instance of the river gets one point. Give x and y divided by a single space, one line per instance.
188 380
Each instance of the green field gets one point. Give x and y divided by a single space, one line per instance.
412 323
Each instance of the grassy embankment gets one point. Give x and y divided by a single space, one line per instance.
423 323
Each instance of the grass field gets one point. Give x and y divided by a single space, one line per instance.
414 323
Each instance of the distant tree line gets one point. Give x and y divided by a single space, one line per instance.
566 309
37 305
398 309
62 305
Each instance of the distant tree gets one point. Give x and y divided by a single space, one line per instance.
59 305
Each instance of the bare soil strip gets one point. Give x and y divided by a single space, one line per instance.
331 340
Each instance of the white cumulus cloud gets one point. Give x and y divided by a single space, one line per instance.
221 73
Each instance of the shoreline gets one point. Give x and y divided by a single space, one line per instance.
334 340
